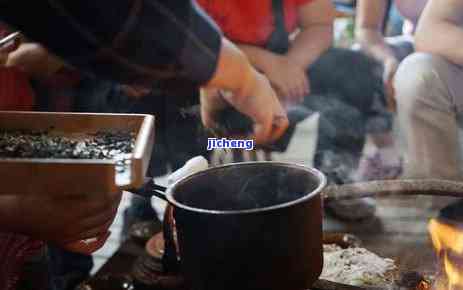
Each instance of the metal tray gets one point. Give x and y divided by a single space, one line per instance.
73 176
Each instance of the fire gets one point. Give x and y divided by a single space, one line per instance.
448 243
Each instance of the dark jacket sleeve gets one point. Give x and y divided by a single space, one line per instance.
132 41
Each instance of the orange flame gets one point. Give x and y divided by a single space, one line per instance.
448 243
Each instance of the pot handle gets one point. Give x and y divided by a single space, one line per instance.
170 259
438 187
150 189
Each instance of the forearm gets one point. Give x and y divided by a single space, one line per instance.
315 20
305 49
258 57
441 37
372 42
309 44
234 71
369 29
131 45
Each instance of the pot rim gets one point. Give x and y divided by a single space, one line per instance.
315 172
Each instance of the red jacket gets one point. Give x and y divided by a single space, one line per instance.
15 94
15 90
250 21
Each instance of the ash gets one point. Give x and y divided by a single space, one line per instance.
102 145
356 266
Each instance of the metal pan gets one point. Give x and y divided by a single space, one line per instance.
74 176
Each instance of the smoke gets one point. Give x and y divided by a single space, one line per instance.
247 187
339 167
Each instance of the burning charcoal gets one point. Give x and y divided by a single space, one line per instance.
410 279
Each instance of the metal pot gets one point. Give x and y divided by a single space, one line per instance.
255 225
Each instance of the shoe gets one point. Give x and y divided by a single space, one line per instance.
339 169
374 167
352 209
349 209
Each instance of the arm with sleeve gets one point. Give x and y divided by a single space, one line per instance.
141 41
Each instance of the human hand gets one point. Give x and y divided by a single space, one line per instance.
390 68
64 220
288 78
9 46
35 60
257 100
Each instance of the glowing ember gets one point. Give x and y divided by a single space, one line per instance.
423 285
448 243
